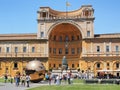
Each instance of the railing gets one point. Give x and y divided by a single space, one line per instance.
23 55
103 54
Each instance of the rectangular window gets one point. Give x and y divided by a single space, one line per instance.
88 33
33 49
98 48
54 50
49 65
73 65
66 51
60 65
24 49
42 34
54 65
7 49
73 50
107 49
78 50
117 65
16 49
60 50
0 49
117 48
50 50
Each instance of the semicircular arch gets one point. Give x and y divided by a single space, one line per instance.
69 22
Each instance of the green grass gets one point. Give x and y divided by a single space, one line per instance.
79 85
1 80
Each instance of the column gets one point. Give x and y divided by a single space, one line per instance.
91 48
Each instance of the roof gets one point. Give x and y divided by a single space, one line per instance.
18 36
110 35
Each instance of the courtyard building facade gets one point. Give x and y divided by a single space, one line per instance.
60 34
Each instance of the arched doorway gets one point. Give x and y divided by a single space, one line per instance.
65 39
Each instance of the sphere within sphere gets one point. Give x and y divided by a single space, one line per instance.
36 70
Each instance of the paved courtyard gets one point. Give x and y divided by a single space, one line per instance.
9 86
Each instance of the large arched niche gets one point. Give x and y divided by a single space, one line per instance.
59 35
72 23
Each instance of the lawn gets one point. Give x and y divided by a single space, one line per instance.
79 85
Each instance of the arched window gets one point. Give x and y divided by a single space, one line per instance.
15 65
86 13
98 65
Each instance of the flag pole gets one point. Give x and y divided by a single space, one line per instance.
66 9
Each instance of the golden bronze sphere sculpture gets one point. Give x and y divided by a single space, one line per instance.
36 70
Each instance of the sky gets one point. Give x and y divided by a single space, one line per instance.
20 16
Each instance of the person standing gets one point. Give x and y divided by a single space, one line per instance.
5 78
68 77
28 80
23 78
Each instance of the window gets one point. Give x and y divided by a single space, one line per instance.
108 64
107 49
16 49
88 33
15 65
98 48
60 38
78 50
60 50
66 38
0 49
73 65
7 49
50 50
24 49
73 38
117 65
86 13
78 37
117 48
54 65
42 34
98 65
54 50
49 65
66 51
44 14
54 38
73 50
60 65
33 49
